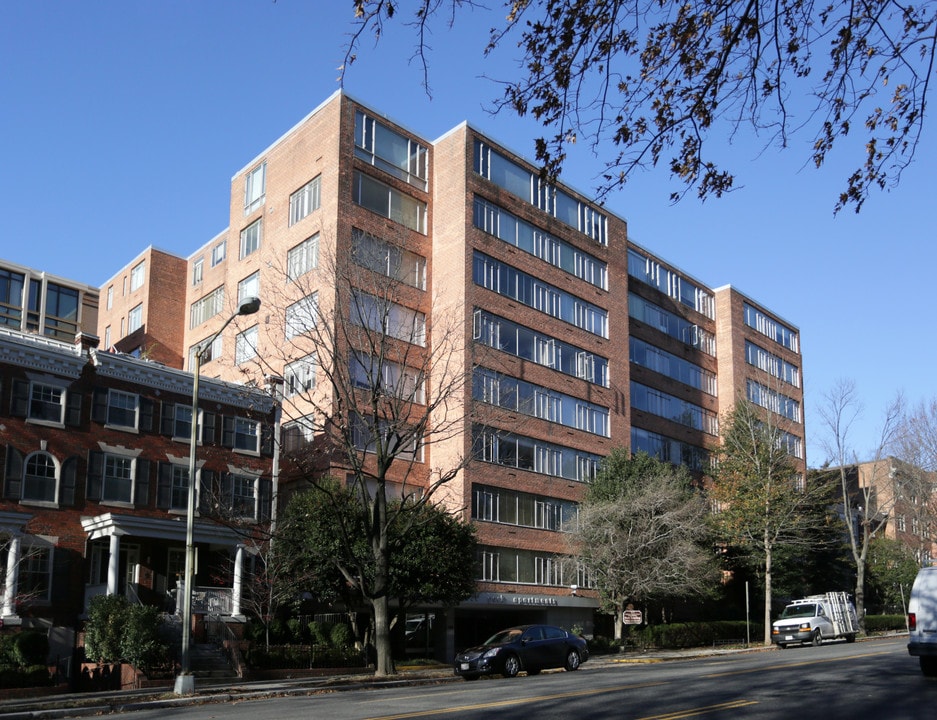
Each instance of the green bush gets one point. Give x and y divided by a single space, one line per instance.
30 647
341 636
885 623
684 635
117 631
320 632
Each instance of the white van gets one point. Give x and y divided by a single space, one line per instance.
814 619
922 620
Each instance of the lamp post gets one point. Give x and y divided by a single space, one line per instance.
185 681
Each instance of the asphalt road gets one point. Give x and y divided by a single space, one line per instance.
872 679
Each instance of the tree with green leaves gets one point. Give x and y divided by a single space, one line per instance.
643 534
118 631
762 502
645 83
892 567
432 559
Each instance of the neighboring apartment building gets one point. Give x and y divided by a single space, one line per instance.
577 340
896 500
36 302
94 466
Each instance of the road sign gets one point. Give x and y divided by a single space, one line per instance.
631 617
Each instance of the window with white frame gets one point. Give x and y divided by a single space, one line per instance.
107 338
302 258
110 297
381 376
208 353
117 480
301 316
122 409
249 287
255 188
250 237
218 253
40 478
298 434
388 318
245 345
46 402
304 201
179 489
182 422
244 495
299 376
206 307
246 434
137 276
391 151
389 202
198 267
135 318
388 259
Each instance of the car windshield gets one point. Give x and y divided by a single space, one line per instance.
798 611
505 636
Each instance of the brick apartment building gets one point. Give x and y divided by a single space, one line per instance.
94 466
576 339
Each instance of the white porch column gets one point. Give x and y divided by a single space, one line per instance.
238 579
12 577
113 564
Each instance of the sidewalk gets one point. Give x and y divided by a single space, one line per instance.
87 704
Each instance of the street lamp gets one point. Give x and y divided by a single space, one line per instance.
185 681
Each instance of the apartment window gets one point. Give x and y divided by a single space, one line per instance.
107 338
301 316
380 376
388 259
299 376
511 229
243 496
671 324
770 328
297 435
208 353
388 318
673 408
34 580
198 267
40 478
528 186
304 201
250 238
137 276
771 364
246 435
651 272
249 287
245 345
665 363
218 252
110 297
117 481
135 318
61 321
255 188
669 450
122 409
390 150
206 307
302 258
774 401
179 488
46 402
389 202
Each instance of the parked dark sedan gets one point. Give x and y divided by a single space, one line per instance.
531 648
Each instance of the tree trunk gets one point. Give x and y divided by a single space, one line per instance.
767 618
619 609
382 646
860 594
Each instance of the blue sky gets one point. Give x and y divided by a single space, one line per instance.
124 121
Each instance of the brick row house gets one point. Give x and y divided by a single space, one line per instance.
94 466
574 338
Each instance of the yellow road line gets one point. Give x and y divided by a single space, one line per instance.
693 712
518 701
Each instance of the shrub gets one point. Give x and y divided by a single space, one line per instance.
885 623
341 636
30 647
107 617
319 632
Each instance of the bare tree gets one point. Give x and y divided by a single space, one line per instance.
762 502
642 532
385 411
868 488
916 448
655 80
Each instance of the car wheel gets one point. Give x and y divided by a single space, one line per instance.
470 677
533 671
572 660
816 639
929 666
850 638
512 666
782 645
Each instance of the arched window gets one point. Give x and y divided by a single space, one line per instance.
40 478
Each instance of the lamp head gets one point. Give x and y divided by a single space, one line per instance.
249 306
